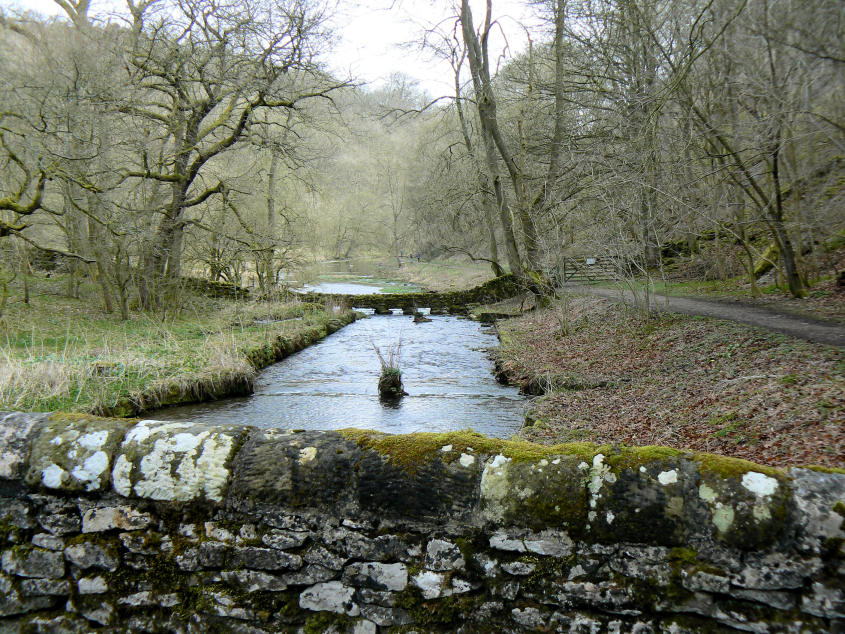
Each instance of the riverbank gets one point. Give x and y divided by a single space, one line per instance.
609 374
65 354
444 275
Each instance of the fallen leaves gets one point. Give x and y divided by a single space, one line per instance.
699 384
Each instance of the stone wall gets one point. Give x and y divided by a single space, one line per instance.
453 302
144 526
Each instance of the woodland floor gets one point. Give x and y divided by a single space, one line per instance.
618 376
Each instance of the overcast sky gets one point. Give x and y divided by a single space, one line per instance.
375 37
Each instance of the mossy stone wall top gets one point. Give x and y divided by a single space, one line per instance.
604 494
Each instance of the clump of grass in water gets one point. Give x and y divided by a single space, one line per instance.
390 381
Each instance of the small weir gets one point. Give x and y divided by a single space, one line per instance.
446 371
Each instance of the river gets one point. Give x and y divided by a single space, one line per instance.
446 371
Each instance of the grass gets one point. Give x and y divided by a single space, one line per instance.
445 275
684 382
60 353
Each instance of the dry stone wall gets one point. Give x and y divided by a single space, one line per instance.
143 526
453 302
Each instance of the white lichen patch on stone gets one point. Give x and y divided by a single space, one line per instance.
53 476
706 493
723 515
180 466
307 455
643 470
723 518
91 469
94 440
761 512
599 474
430 583
144 428
446 448
759 484
495 489
466 460
668 477
82 448
120 476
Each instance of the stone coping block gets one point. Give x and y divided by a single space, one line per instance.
597 494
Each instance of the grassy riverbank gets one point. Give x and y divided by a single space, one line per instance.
60 353
444 275
612 375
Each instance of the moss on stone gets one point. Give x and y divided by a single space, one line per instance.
822 469
448 611
623 457
411 451
325 621
727 467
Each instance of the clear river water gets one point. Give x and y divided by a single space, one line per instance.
445 366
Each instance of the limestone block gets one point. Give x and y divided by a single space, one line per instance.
385 617
332 596
74 453
90 555
125 518
175 461
430 583
320 556
518 568
253 581
541 494
442 555
748 510
92 585
310 574
283 540
826 602
60 523
34 562
364 627
50 542
377 576
816 496
546 542
16 432
102 614
45 587
296 470
264 559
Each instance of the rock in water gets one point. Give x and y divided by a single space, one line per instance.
390 384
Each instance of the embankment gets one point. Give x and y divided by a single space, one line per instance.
214 384
146 526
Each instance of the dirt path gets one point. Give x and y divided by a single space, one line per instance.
800 327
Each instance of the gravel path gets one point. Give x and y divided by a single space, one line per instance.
800 327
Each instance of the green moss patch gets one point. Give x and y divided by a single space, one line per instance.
411 451
733 467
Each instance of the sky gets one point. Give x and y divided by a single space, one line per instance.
376 38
